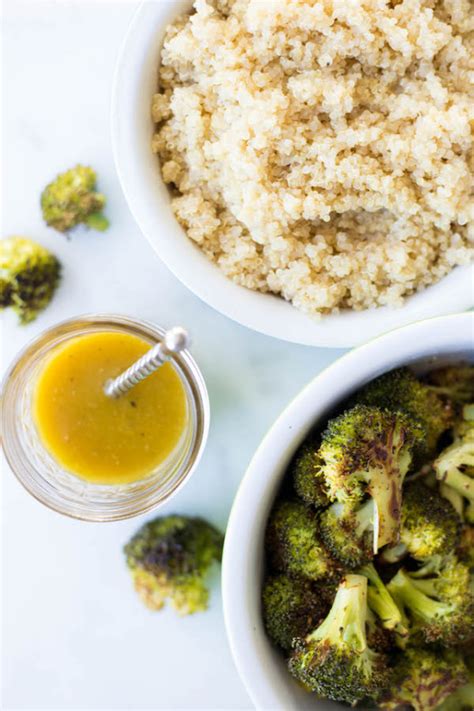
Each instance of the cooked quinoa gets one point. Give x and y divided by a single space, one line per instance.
322 150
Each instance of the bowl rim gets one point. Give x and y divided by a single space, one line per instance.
427 339
264 313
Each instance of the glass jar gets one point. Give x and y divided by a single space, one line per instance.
61 490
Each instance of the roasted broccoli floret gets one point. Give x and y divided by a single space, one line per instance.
335 660
430 525
381 602
437 600
347 529
455 467
366 452
453 382
292 607
71 199
400 390
29 275
170 557
423 679
293 544
306 473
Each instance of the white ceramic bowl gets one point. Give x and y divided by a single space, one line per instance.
148 199
261 667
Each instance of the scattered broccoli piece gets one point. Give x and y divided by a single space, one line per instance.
293 543
347 530
29 276
400 390
291 608
381 602
306 475
430 525
71 199
366 451
455 467
335 660
438 601
423 679
169 557
453 382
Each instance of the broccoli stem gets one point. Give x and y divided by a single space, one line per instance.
462 483
380 600
365 518
409 594
385 487
346 620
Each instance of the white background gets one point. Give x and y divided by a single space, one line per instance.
74 634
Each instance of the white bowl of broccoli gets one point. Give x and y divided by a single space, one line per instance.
265 560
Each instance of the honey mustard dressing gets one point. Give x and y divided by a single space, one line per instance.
100 439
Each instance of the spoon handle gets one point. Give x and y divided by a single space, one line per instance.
174 341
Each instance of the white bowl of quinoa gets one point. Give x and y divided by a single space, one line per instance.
304 166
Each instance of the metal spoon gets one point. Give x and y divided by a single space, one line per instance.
174 341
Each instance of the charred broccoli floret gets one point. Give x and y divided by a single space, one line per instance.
170 557
400 390
306 473
71 199
381 602
437 600
291 608
366 452
335 660
455 467
29 275
347 529
430 525
454 382
423 679
293 544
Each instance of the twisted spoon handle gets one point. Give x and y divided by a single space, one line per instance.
174 341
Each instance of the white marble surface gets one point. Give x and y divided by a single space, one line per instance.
74 634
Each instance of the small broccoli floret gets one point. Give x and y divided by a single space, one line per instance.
71 199
29 275
335 660
366 452
293 544
455 467
430 525
169 557
347 530
424 679
400 390
437 600
292 607
381 602
306 474
453 382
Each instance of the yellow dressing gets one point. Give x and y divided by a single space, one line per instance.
100 439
